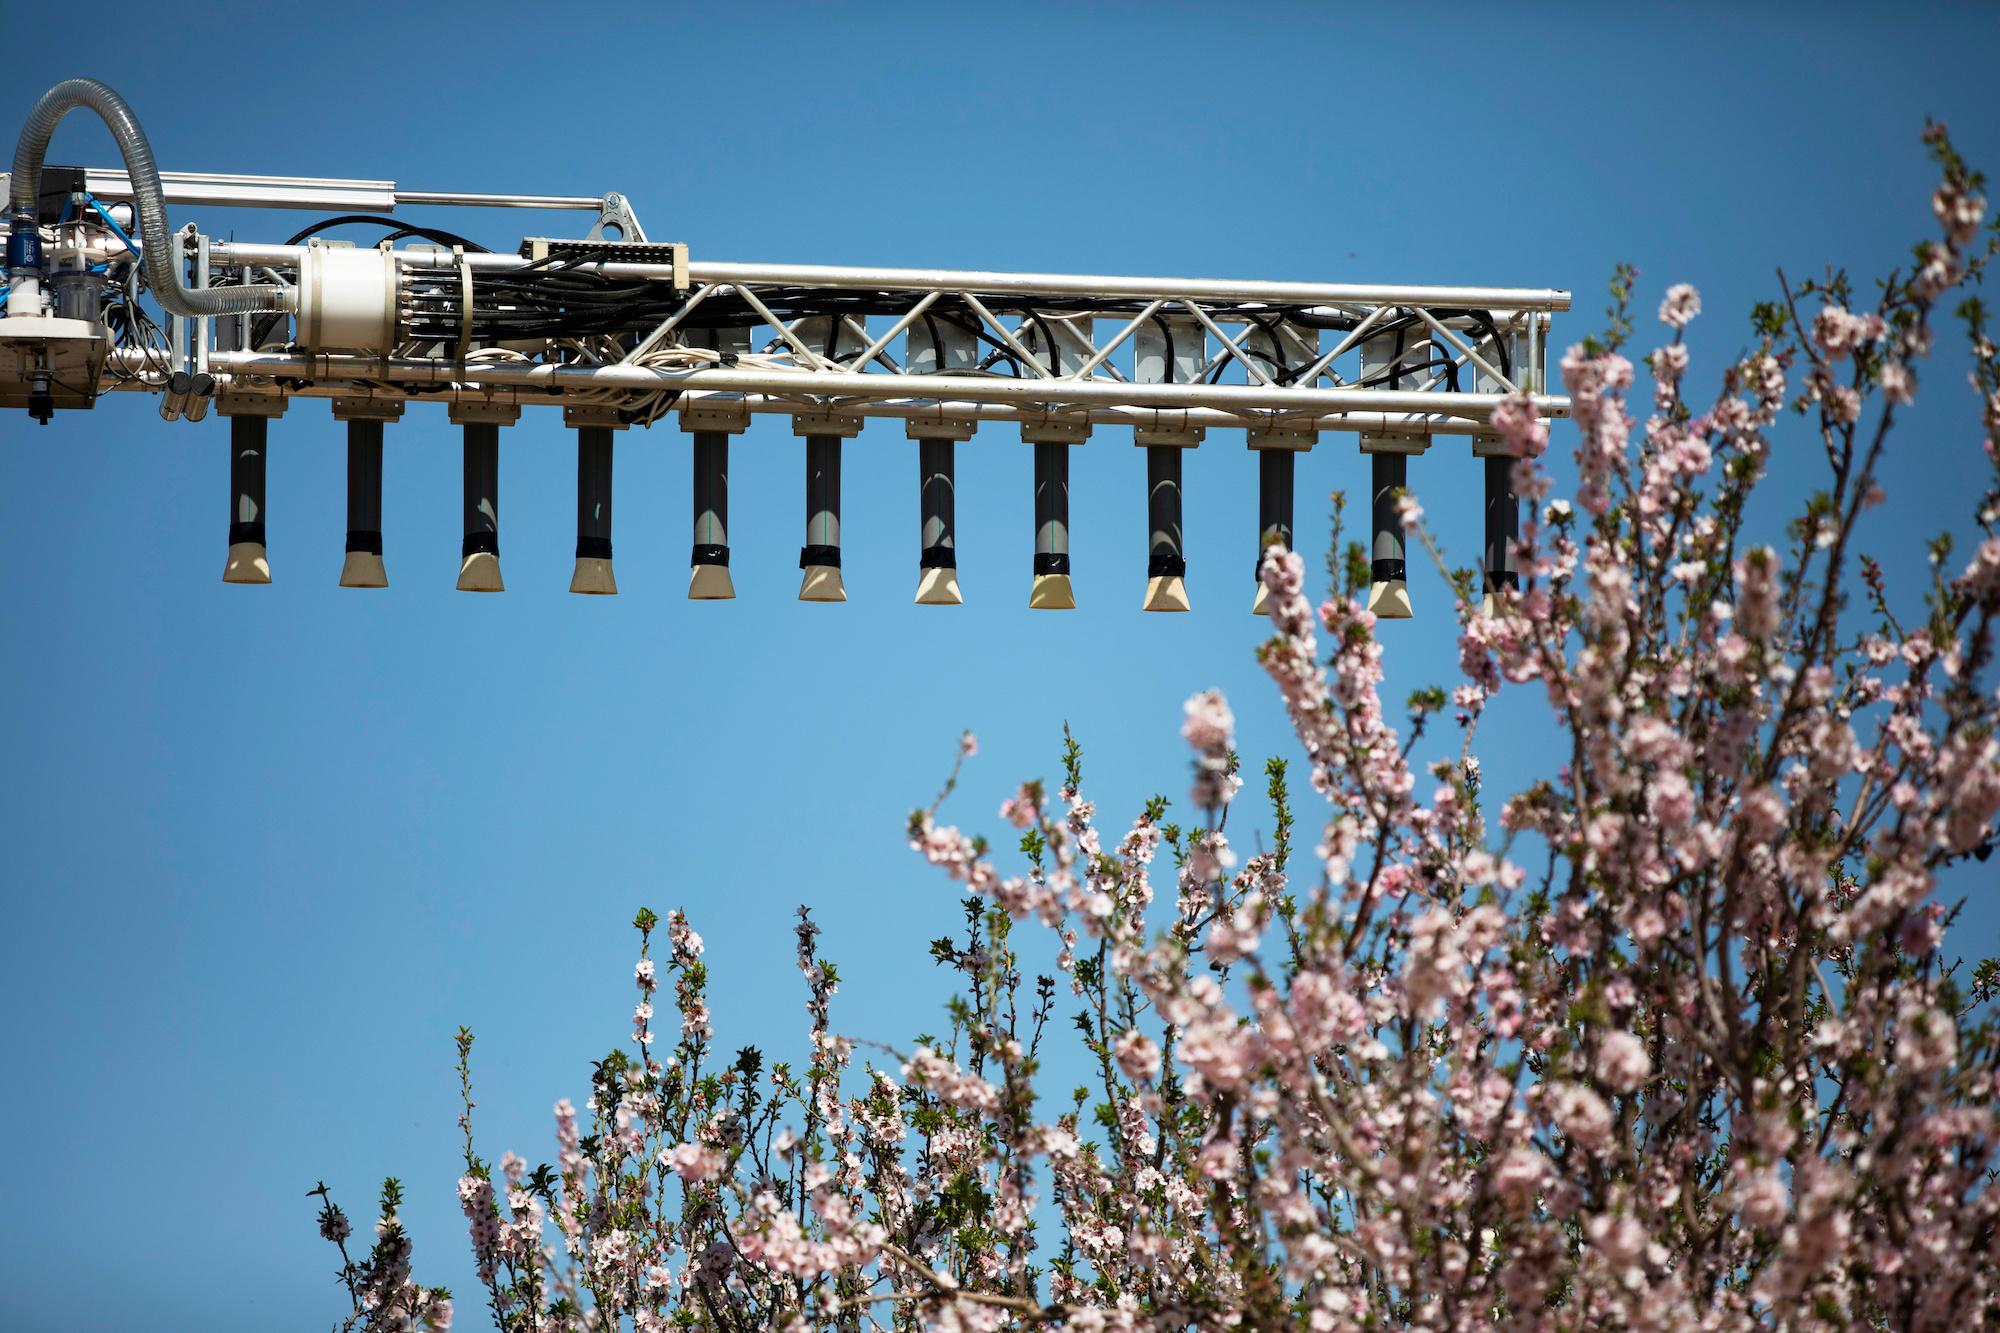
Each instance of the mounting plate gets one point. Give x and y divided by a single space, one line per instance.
613 252
70 352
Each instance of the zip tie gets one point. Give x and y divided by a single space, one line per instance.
465 293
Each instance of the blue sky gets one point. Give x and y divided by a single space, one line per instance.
266 848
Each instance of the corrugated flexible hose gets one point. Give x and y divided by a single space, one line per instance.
154 237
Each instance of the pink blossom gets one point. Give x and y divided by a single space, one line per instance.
1520 426
1898 384
1622 1063
1521 1175
1681 305
1581 1114
1138 1056
693 1162
1023 808
1763 1199
1323 1012
1836 332
1209 725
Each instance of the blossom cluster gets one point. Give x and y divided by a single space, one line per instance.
1668 1040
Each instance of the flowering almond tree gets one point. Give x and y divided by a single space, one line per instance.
1665 1042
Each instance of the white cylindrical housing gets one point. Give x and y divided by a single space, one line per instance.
347 299
24 298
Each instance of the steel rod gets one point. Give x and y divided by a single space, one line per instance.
861 362
934 388
1319 367
667 325
1227 341
1006 336
1083 371
1476 359
1000 284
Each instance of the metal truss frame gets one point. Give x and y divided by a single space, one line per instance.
1258 371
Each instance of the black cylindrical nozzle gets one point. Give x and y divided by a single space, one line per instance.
364 486
482 489
822 544
1503 525
1275 471
1051 509
1391 476
711 498
593 492
247 440
1166 557
937 548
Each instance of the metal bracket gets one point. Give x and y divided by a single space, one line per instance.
956 429
606 417
367 409
1281 437
1054 432
464 412
614 211
251 404
1169 429
1395 442
732 419
845 427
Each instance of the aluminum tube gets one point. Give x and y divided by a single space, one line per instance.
822 544
593 492
1503 525
364 486
1069 284
1005 284
1051 509
919 409
1253 400
482 489
1453 339
580 202
215 189
937 501
1166 556
1386 556
1276 469
711 498
162 256
348 196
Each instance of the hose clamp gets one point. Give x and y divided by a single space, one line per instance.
24 250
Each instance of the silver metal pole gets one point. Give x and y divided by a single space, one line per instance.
1254 400
1004 284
